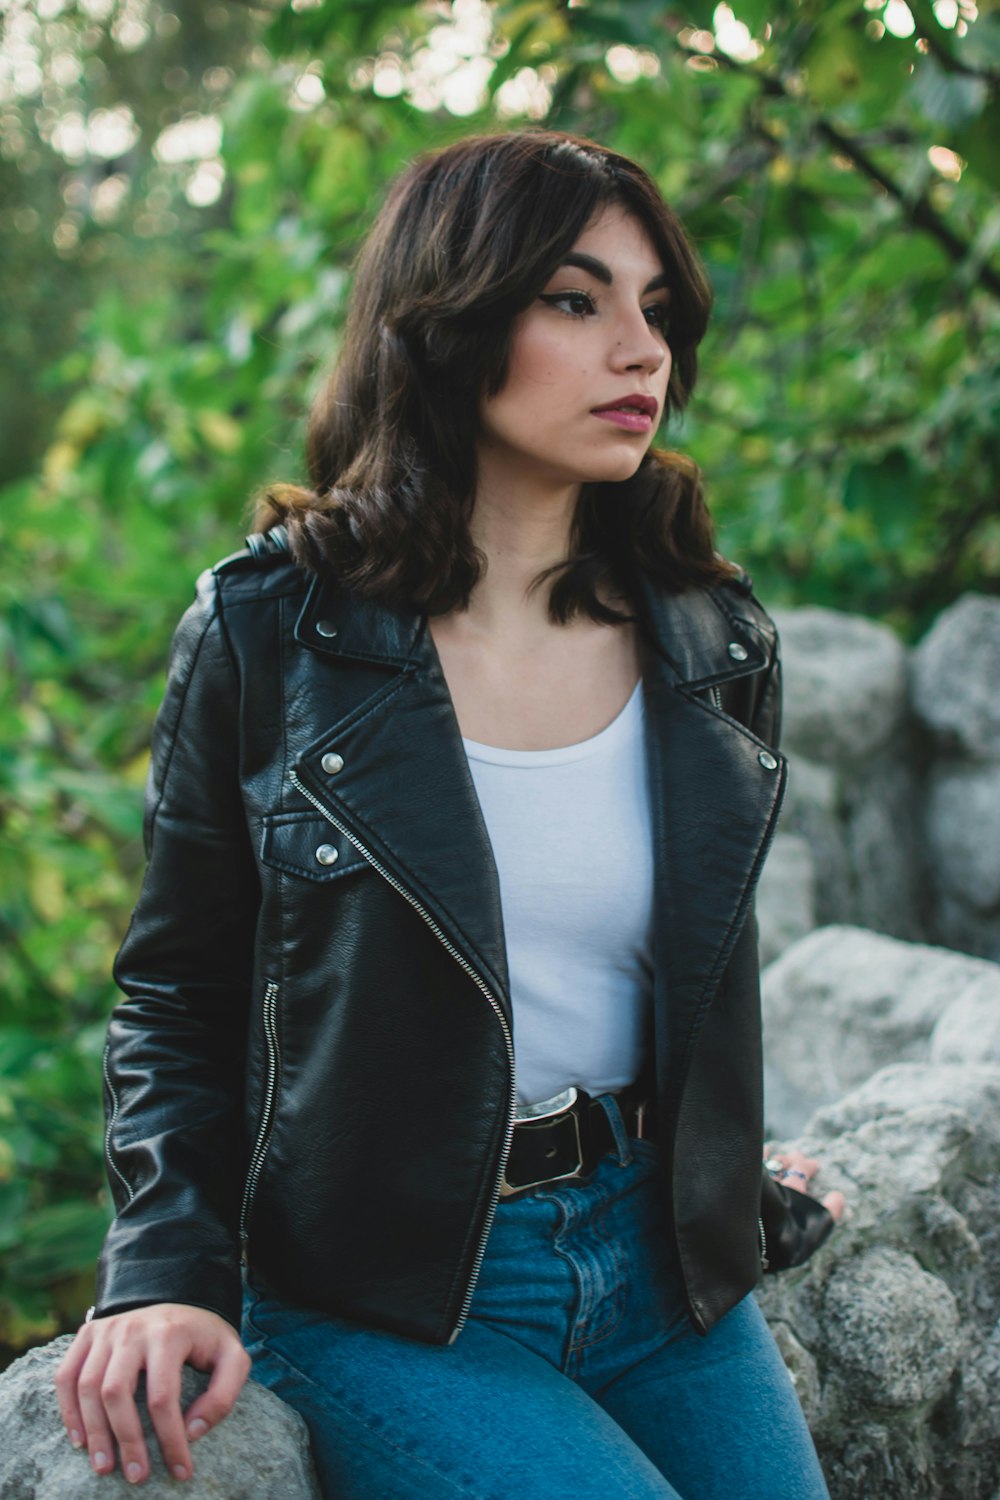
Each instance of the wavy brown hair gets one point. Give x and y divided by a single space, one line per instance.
465 241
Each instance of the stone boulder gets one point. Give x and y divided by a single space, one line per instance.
786 895
845 684
956 678
892 1331
962 822
843 1002
853 787
260 1452
956 696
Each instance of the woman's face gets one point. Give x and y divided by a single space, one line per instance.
590 362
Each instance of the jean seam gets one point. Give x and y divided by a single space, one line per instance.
617 1311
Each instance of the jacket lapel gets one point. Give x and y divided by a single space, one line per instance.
404 792
714 804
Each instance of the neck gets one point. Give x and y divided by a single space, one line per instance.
522 527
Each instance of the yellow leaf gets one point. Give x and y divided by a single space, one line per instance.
60 459
134 772
19 1327
8 1160
219 430
47 890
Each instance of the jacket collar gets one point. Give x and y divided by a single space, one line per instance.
406 796
340 624
702 635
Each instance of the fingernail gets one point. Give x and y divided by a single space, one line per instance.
134 1472
179 1471
100 1460
75 1438
198 1428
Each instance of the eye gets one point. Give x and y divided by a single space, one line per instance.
576 304
658 316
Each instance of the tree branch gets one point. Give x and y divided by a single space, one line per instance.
919 211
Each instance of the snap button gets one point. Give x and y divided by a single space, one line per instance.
767 760
326 854
326 628
332 763
738 651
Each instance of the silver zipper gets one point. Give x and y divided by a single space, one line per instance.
267 1111
112 1122
481 984
716 697
764 1262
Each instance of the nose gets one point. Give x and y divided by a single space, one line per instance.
639 346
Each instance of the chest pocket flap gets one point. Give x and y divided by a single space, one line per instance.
306 845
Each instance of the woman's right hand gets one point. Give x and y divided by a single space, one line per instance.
97 1377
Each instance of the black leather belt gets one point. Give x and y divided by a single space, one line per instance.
569 1144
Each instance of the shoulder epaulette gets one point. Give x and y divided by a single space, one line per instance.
260 546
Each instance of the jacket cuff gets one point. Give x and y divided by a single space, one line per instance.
126 1284
794 1225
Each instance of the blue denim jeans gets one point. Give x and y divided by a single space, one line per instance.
577 1375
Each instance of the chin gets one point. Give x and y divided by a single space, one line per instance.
615 472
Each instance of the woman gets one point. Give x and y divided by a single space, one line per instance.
442 990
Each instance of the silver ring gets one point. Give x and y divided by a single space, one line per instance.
794 1172
774 1165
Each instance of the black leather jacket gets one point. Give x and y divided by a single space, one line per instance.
314 1056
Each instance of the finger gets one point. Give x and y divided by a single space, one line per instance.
798 1183
163 1398
835 1203
66 1377
801 1162
121 1374
232 1366
96 1429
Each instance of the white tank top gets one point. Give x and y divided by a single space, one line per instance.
571 838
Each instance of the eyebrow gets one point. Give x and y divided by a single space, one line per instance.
598 269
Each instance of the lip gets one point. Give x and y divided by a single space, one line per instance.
646 404
639 418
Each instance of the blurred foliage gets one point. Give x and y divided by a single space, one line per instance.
170 307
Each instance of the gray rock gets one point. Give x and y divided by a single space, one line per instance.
786 895
955 925
897 1318
969 1029
892 1327
845 684
844 1002
884 848
813 810
260 1451
963 831
862 824
956 677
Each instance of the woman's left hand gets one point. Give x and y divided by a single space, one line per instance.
795 1170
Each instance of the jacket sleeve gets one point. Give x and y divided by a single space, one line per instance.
174 1060
793 1224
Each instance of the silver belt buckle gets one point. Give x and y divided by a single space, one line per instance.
533 1114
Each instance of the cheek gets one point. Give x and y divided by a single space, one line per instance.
540 359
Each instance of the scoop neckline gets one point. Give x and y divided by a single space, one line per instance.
607 738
